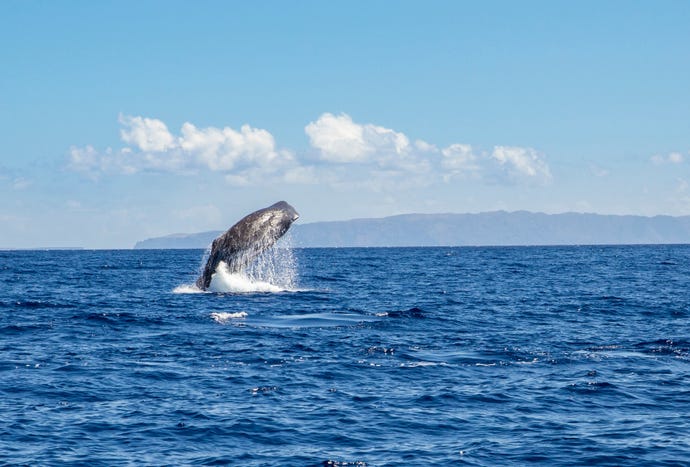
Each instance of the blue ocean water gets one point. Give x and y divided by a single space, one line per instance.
401 356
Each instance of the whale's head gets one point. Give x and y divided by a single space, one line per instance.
269 224
280 217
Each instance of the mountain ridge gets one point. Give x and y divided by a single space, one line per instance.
468 229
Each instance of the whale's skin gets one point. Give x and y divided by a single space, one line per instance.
248 238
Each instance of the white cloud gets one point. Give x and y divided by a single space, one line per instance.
338 138
423 146
148 134
522 161
671 158
386 140
459 158
91 162
222 149
675 157
348 151
151 147
341 140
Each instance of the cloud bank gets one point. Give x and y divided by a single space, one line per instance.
341 151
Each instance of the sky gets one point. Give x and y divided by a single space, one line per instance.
124 120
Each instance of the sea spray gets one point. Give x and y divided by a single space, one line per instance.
276 266
224 317
274 270
223 281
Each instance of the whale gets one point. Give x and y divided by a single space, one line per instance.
247 239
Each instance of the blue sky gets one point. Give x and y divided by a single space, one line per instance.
126 120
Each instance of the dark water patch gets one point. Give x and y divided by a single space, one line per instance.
327 278
413 312
665 347
315 296
25 328
40 304
612 299
96 317
335 463
123 319
605 393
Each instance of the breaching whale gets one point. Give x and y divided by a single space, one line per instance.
245 240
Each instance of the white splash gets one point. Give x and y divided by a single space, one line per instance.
224 317
187 288
275 270
272 271
226 282
277 265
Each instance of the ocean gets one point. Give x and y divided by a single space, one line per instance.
574 355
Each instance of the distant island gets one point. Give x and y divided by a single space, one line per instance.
498 228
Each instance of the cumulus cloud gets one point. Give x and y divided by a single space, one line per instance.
148 134
346 152
522 162
152 147
223 149
339 139
459 158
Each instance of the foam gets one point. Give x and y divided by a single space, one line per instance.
224 317
187 288
274 270
224 281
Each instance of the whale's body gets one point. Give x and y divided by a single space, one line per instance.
245 240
